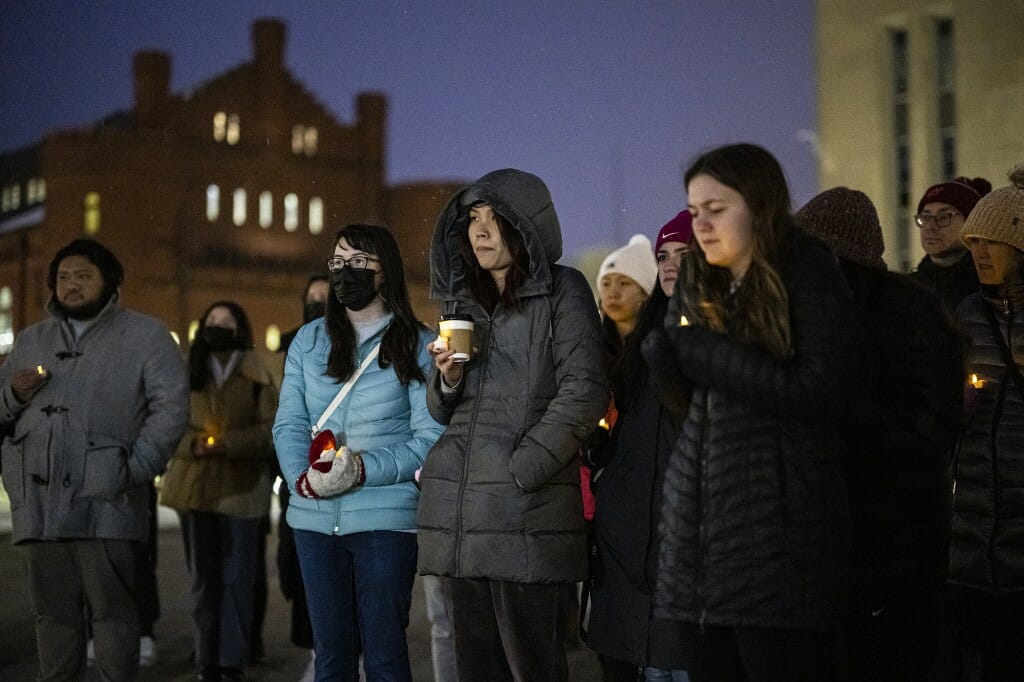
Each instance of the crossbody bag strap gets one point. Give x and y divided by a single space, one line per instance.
315 429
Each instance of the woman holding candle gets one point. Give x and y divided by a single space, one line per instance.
353 509
219 482
986 568
629 489
753 527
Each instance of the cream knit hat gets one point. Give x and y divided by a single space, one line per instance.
634 260
999 215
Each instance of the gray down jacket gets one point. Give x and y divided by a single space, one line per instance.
500 489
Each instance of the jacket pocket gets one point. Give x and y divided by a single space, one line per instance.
105 471
12 465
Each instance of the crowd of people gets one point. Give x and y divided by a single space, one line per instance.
759 455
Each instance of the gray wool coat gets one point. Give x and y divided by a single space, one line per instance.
500 489
87 444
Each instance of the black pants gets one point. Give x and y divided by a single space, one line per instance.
507 631
988 635
726 654
892 638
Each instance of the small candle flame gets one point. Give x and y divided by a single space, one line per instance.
976 382
683 321
40 370
209 440
603 424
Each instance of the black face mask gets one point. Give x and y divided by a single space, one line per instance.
354 288
220 338
313 310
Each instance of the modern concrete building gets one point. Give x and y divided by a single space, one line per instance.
231 191
914 92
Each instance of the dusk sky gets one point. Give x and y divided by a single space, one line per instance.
606 101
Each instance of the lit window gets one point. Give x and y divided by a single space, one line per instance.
238 207
177 339
316 215
212 203
220 125
273 338
233 129
15 196
309 141
6 321
291 213
297 139
266 209
193 327
91 213
41 189
30 191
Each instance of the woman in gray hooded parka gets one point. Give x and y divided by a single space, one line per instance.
500 517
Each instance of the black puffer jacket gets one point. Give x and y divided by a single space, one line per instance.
899 432
500 489
987 549
628 493
754 527
952 284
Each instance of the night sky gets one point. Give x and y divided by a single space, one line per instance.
606 101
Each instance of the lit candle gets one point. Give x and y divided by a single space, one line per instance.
976 382
683 321
209 440
40 370
603 424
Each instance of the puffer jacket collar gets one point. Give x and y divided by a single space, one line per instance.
521 198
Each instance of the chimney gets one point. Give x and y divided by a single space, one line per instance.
268 44
152 79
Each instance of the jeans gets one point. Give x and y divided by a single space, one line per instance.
507 631
661 675
359 591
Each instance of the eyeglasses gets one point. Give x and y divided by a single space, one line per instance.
937 219
358 262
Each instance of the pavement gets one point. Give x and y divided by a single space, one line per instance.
284 661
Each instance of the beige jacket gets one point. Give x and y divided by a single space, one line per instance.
239 415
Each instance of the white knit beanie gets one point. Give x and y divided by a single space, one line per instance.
634 260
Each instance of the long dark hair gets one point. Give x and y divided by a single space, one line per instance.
401 343
199 351
480 282
758 312
629 372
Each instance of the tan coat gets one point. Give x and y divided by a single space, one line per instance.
238 415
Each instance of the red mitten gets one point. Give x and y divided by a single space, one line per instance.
324 441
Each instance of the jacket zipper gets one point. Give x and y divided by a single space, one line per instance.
465 460
701 538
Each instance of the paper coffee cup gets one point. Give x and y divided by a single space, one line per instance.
457 330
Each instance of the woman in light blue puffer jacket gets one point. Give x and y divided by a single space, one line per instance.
354 510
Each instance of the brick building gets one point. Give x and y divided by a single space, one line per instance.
233 190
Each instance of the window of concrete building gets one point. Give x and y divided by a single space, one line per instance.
238 207
6 320
15 196
266 209
291 212
212 203
309 141
901 140
316 215
297 142
91 213
945 71
234 129
220 126
273 338
30 192
41 189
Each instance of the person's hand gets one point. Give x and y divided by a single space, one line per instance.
451 371
203 447
25 383
332 474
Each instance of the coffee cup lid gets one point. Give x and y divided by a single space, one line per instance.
457 316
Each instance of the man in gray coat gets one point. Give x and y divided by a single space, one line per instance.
97 399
